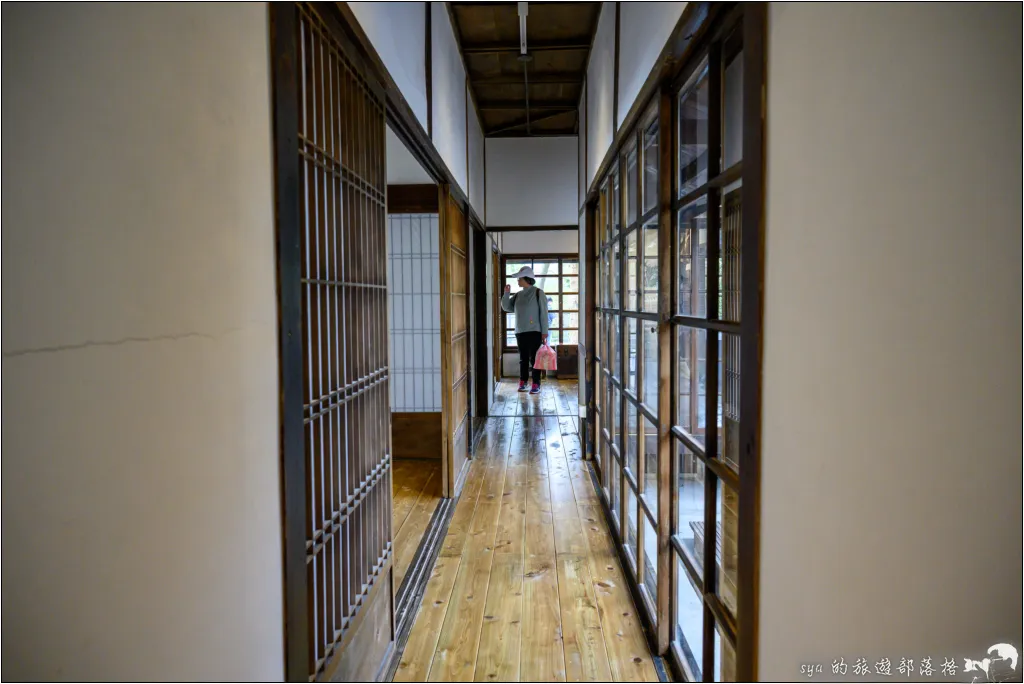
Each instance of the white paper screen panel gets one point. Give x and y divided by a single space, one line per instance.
414 295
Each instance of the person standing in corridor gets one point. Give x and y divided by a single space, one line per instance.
530 305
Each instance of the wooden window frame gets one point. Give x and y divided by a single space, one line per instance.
706 32
561 259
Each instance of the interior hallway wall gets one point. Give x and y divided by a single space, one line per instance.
532 181
141 497
891 500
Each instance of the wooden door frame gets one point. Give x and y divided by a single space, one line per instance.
372 622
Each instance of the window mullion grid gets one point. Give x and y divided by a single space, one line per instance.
711 360
666 482
623 419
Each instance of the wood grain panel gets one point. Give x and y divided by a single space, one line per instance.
416 435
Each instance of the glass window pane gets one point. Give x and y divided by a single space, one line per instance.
632 207
693 253
510 339
606 279
729 249
616 345
631 272
614 483
689 631
554 302
512 267
617 420
570 337
570 320
631 438
614 285
616 203
729 399
728 544
650 176
571 303
554 337
553 320
649 276
570 267
570 284
732 112
611 416
693 135
631 351
692 383
548 284
690 525
650 355
650 559
545 267
650 483
725 658
631 533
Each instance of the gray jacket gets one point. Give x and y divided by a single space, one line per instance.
530 305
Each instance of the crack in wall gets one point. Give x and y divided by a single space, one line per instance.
112 343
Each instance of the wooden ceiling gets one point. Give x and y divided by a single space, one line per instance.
558 39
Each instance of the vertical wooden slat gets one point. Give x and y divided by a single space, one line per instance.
754 22
284 28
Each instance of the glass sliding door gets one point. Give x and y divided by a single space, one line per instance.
677 213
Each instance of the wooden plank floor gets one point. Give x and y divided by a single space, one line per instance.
416 491
528 585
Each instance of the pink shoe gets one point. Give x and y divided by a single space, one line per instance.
522 386
535 389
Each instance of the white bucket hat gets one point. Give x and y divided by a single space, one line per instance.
526 272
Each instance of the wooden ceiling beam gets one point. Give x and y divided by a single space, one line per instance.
554 78
509 105
522 122
510 47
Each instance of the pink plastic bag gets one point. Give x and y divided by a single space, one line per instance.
546 359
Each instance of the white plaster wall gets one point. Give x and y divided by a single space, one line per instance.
403 169
532 181
646 27
891 501
601 91
141 497
541 242
449 95
398 33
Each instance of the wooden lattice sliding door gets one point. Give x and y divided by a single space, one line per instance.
455 340
330 132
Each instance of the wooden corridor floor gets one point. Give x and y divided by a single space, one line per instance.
527 586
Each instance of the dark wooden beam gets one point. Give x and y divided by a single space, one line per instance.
522 122
429 72
529 229
510 105
561 132
412 199
553 78
509 47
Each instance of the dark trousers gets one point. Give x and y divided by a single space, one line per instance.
529 343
